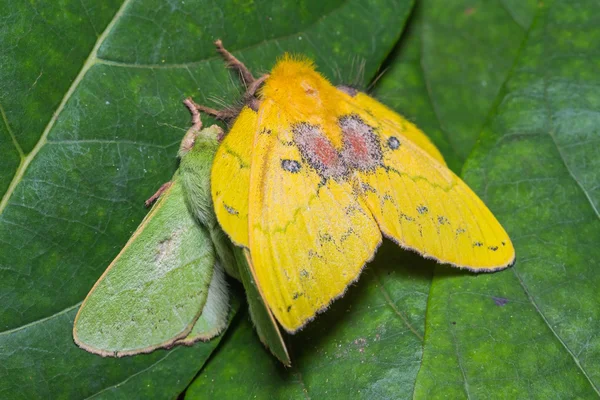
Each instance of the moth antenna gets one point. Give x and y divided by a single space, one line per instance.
249 98
253 87
377 78
233 62
360 71
218 100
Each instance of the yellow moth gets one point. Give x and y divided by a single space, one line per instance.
312 176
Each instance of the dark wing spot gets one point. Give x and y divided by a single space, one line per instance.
388 197
289 308
312 254
422 209
459 231
349 232
304 273
503 244
477 244
296 295
367 188
230 210
292 166
393 143
318 151
493 248
349 90
442 220
265 131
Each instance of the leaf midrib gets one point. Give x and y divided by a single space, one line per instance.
89 62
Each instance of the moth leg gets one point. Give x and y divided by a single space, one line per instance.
190 136
235 63
249 98
156 195
252 85
226 114
196 121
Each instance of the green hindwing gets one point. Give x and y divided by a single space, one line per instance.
164 288
213 319
264 322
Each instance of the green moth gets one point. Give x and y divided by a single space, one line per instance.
167 286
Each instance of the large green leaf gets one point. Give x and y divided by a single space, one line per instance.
467 50
92 117
532 331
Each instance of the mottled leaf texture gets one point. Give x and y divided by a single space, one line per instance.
90 99
450 66
531 331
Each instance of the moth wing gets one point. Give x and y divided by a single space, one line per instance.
215 312
154 291
395 121
264 321
230 177
422 205
309 239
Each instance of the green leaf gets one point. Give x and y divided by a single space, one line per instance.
532 330
450 65
92 118
463 90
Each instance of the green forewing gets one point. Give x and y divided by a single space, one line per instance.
154 291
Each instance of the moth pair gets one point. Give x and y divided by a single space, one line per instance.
307 182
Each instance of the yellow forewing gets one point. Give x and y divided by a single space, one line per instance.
230 177
308 240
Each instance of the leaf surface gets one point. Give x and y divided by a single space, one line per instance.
532 330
